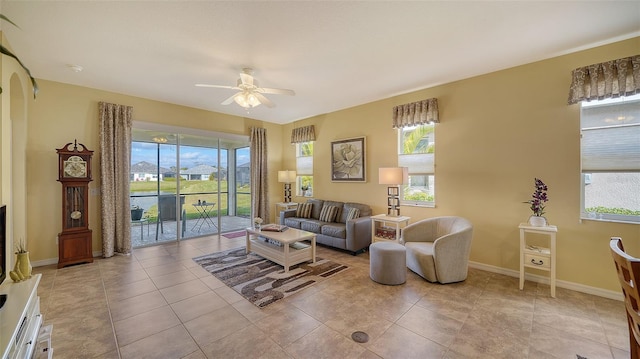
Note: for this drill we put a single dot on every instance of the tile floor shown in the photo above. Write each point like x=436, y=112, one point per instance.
x=158, y=303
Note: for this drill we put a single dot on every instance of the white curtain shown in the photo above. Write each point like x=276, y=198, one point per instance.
x=115, y=153
x=259, y=190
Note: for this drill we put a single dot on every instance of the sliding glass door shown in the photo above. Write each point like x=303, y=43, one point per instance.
x=186, y=185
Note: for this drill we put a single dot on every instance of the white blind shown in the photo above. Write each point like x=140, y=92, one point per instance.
x=304, y=165
x=611, y=149
x=419, y=163
x=611, y=136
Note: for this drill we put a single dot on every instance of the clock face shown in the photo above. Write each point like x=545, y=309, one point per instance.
x=75, y=166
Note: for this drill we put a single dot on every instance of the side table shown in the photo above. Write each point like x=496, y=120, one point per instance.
x=387, y=228
x=543, y=258
x=283, y=206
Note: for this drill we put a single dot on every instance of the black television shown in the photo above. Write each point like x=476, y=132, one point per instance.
x=3, y=243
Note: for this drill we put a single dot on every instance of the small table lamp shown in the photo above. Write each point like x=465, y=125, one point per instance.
x=287, y=177
x=394, y=176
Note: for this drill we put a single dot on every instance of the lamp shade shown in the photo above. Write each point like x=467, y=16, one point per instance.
x=286, y=176
x=393, y=175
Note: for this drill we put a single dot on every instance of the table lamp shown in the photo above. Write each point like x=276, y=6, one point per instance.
x=393, y=176
x=287, y=177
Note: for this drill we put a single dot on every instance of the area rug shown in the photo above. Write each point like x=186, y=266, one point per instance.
x=231, y=235
x=262, y=281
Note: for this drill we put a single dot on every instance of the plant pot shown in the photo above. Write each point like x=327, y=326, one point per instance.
x=136, y=214
x=537, y=221
x=24, y=264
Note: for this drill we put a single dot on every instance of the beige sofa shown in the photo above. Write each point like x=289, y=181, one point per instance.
x=353, y=235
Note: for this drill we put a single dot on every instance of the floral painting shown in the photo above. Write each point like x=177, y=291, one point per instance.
x=348, y=160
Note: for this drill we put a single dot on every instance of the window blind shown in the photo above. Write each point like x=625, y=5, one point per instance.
x=611, y=137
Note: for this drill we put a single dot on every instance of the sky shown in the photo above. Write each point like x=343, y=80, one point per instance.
x=189, y=156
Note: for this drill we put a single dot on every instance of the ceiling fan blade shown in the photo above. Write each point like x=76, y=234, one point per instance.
x=218, y=86
x=246, y=79
x=230, y=99
x=265, y=101
x=277, y=91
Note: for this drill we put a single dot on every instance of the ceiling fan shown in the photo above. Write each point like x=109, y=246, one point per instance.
x=250, y=93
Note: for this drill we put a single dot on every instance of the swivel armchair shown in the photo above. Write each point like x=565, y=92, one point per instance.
x=438, y=248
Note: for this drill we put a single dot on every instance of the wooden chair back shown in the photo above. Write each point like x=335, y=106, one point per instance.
x=628, y=269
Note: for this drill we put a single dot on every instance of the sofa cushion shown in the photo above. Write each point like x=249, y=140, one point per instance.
x=353, y=213
x=337, y=204
x=337, y=230
x=311, y=225
x=294, y=222
x=328, y=213
x=317, y=207
x=364, y=209
x=304, y=210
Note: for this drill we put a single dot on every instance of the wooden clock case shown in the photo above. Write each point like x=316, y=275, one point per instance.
x=74, y=173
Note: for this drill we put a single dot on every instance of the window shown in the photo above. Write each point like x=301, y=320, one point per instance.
x=304, y=169
x=417, y=148
x=610, y=150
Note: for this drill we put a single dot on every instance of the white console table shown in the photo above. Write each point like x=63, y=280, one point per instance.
x=20, y=318
x=543, y=258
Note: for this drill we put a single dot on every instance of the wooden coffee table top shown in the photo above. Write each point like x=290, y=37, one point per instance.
x=290, y=235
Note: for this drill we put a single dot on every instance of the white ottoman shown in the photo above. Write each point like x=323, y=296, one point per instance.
x=388, y=263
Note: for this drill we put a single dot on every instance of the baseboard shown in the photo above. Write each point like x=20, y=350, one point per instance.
x=545, y=280
x=49, y=261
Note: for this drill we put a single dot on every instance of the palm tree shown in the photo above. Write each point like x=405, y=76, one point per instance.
x=413, y=141
x=6, y=51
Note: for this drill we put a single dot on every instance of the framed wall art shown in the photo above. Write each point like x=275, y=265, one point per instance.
x=348, y=160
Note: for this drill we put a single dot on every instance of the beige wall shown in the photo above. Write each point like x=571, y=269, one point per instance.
x=497, y=132
x=63, y=113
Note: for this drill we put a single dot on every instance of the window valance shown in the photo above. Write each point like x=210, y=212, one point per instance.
x=303, y=134
x=609, y=79
x=416, y=113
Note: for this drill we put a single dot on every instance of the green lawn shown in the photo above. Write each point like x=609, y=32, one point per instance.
x=194, y=191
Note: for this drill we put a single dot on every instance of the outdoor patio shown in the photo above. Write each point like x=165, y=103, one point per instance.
x=194, y=228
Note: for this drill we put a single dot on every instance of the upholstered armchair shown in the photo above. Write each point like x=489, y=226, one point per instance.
x=438, y=248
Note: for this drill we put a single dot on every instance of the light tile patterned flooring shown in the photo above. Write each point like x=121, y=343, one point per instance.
x=158, y=303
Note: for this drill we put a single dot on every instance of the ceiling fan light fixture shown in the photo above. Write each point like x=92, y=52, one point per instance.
x=253, y=100
x=246, y=100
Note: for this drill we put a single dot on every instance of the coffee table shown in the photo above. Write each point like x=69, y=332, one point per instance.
x=292, y=251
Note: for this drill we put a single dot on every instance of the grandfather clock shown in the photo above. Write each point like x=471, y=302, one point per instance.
x=74, y=172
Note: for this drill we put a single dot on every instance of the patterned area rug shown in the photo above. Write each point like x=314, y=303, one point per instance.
x=261, y=281
x=231, y=235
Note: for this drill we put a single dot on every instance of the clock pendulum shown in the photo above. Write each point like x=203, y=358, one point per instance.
x=76, y=214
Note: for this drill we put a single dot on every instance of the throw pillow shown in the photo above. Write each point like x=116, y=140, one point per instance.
x=328, y=213
x=353, y=213
x=304, y=210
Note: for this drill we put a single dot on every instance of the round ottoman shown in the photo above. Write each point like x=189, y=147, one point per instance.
x=388, y=263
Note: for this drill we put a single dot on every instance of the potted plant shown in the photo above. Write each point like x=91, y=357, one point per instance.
x=22, y=269
x=136, y=213
x=539, y=197
x=304, y=189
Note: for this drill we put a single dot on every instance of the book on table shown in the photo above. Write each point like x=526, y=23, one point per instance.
x=274, y=228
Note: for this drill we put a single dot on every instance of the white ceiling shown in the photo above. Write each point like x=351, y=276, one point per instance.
x=334, y=54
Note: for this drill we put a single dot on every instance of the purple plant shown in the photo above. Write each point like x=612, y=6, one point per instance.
x=539, y=198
